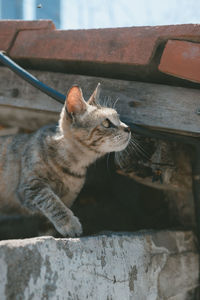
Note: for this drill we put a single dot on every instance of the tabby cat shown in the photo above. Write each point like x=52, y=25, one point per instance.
x=43, y=172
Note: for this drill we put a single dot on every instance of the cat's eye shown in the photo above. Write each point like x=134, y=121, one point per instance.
x=106, y=123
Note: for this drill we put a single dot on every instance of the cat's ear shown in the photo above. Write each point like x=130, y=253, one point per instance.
x=94, y=99
x=74, y=103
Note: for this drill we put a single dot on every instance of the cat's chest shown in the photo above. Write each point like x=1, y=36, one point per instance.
x=66, y=186
x=72, y=188
x=73, y=184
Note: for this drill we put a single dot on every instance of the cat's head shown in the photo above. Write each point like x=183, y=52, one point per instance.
x=96, y=127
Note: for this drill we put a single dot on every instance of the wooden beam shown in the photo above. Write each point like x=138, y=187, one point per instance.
x=27, y=119
x=168, y=108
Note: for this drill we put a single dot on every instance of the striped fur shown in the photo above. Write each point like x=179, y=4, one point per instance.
x=43, y=172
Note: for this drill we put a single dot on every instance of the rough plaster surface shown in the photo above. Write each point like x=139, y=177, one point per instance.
x=140, y=266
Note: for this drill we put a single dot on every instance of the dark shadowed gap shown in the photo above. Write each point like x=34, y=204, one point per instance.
x=108, y=202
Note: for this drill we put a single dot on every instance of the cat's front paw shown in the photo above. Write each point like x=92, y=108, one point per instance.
x=72, y=229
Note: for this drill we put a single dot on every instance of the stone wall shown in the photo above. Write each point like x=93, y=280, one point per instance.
x=141, y=266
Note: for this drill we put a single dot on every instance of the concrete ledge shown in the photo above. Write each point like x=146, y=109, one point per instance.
x=151, y=265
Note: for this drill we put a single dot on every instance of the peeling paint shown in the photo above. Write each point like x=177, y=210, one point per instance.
x=132, y=277
x=85, y=268
x=65, y=247
x=104, y=242
x=120, y=242
x=51, y=278
x=17, y=276
x=103, y=261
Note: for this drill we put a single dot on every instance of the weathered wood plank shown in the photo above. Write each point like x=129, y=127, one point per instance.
x=152, y=105
x=27, y=119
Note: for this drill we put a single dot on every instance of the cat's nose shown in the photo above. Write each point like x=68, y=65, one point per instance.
x=127, y=129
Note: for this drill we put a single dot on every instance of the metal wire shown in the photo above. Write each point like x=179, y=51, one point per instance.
x=31, y=79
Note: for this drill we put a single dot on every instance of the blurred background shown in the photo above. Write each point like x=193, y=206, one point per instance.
x=84, y=14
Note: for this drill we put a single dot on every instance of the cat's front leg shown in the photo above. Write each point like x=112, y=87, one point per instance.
x=46, y=201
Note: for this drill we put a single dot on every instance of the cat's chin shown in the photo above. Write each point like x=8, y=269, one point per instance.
x=123, y=146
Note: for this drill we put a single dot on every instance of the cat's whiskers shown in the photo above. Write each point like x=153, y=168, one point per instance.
x=114, y=104
x=108, y=102
x=140, y=149
x=135, y=149
x=104, y=101
x=117, y=138
x=118, y=159
x=121, y=157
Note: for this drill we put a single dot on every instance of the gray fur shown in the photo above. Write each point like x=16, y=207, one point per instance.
x=43, y=172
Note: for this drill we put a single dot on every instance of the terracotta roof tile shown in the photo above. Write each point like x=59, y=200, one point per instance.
x=134, y=45
x=9, y=30
x=181, y=59
x=125, y=53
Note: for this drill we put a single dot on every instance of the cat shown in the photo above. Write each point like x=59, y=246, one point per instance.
x=43, y=172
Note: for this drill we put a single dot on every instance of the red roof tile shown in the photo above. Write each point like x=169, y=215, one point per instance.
x=181, y=59
x=132, y=46
x=126, y=53
x=9, y=30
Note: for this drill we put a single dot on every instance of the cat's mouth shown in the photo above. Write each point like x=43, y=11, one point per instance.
x=124, y=144
x=128, y=140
